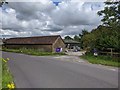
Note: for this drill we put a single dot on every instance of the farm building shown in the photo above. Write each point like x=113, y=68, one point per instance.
x=72, y=45
x=43, y=43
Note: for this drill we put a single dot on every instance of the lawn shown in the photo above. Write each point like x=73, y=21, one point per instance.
x=32, y=52
x=7, y=79
x=103, y=60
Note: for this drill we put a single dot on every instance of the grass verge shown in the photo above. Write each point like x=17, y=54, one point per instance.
x=0, y=74
x=32, y=52
x=7, y=78
x=103, y=60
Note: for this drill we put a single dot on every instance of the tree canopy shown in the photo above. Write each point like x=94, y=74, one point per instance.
x=3, y=2
x=106, y=35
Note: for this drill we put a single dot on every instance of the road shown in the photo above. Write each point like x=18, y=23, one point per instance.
x=54, y=72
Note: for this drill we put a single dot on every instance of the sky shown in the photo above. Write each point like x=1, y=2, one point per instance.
x=69, y=17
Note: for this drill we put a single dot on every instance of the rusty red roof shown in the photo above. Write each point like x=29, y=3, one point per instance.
x=33, y=40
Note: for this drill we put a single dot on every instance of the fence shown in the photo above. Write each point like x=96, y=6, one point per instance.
x=110, y=52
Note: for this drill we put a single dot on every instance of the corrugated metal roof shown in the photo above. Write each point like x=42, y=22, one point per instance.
x=33, y=40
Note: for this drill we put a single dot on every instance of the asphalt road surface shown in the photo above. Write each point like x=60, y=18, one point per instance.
x=51, y=72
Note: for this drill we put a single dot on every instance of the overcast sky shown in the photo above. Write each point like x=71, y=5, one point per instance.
x=20, y=19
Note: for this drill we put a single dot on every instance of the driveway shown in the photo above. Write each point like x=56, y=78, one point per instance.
x=59, y=72
x=79, y=53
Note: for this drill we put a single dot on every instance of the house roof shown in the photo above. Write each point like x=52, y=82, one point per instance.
x=71, y=42
x=33, y=40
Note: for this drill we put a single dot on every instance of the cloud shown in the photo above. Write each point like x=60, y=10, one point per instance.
x=9, y=20
x=75, y=30
x=31, y=10
x=44, y=18
x=11, y=33
x=74, y=13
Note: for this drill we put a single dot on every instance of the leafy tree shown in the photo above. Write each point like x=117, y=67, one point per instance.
x=102, y=37
x=111, y=19
x=3, y=2
x=106, y=35
x=77, y=38
x=83, y=33
x=111, y=14
x=68, y=38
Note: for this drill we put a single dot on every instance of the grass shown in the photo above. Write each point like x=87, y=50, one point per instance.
x=6, y=75
x=32, y=52
x=0, y=74
x=103, y=60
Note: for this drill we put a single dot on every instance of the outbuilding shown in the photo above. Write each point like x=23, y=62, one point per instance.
x=72, y=45
x=43, y=43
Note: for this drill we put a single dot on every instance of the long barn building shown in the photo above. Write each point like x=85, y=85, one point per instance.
x=44, y=43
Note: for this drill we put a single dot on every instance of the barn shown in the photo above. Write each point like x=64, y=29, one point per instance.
x=72, y=45
x=43, y=43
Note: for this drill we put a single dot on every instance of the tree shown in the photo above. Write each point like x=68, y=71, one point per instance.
x=83, y=33
x=111, y=14
x=77, y=38
x=68, y=38
x=102, y=37
x=108, y=34
x=111, y=20
x=3, y=2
